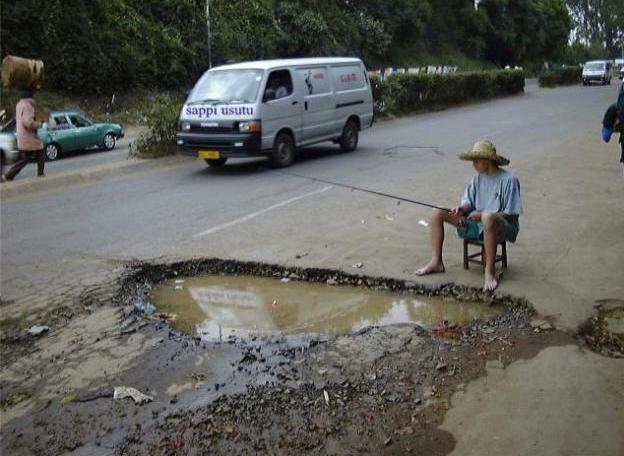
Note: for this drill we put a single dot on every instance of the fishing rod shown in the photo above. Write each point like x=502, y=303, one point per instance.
x=360, y=189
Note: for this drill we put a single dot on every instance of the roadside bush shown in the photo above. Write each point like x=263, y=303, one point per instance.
x=162, y=125
x=404, y=93
x=561, y=76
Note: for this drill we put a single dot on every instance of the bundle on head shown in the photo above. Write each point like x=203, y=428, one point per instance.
x=22, y=74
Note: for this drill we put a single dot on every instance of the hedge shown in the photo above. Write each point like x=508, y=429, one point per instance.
x=162, y=126
x=561, y=76
x=406, y=93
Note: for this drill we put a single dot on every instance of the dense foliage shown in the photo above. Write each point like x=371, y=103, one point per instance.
x=107, y=46
x=561, y=76
x=162, y=126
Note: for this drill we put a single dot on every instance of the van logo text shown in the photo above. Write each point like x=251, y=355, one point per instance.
x=211, y=111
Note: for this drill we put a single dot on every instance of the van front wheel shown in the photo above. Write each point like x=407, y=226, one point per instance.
x=283, y=151
x=350, y=136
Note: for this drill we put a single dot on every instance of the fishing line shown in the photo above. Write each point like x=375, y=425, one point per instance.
x=366, y=190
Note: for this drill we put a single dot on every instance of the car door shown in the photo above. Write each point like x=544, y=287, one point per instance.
x=86, y=132
x=281, y=106
x=318, y=104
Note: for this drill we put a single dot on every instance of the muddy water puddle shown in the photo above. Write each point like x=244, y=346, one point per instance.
x=217, y=307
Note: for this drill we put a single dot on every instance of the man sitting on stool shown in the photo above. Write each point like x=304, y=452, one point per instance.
x=489, y=211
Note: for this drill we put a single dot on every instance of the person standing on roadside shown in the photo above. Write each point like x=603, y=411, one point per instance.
x=28, y=142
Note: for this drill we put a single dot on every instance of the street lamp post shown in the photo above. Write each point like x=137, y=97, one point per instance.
x=209, y=37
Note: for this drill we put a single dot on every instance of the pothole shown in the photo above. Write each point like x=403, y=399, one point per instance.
x=604, y=332
x=214, y=307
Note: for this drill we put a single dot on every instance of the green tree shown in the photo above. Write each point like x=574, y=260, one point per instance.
x=524, y=31
x=599, y=22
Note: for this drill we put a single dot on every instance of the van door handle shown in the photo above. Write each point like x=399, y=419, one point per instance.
x=305, y=105
x=295, y=102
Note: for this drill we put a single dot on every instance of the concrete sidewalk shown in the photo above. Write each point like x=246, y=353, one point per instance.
x=567, y=400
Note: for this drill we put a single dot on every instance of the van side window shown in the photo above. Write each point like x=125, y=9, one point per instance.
x=279, y=85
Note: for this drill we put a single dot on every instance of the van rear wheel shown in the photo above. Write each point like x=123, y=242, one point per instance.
x=283, y=151
x=216, y=162
x=350, y=136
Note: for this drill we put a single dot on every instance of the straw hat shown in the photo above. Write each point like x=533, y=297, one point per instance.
x=484, y=150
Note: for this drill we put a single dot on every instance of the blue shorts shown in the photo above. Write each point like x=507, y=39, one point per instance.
x=473, y=231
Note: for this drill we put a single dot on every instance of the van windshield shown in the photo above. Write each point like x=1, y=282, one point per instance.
x=227, y=86
x=596, y=66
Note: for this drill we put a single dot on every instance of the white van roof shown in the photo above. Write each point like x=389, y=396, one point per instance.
x=597, y=61
x=270, y=64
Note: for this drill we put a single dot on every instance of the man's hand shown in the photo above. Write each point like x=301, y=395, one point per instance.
x=457, y=210
x=476, y=216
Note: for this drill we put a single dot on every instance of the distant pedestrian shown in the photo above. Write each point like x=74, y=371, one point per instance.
x=28, y=142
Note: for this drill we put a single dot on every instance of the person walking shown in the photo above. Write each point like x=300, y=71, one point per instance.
x=28, y=142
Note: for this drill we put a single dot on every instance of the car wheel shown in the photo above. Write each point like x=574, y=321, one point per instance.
x=216, y=162
x=52, y=151
x=350, y=136
x=283, y=151
x=109, y=141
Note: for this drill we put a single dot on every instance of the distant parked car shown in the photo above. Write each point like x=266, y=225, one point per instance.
x=68, y=131
x=8, y=141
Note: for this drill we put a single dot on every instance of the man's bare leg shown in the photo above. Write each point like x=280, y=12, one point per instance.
x=438, y=219
x=492, y=224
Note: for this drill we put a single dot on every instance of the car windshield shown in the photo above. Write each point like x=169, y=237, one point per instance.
x=597, y=66
x=227, y=86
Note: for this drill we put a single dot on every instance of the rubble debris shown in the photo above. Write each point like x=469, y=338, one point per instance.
x=144, y=307
x=122, y=392
x=38, y=330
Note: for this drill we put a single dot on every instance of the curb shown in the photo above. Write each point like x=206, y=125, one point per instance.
x=34, y=185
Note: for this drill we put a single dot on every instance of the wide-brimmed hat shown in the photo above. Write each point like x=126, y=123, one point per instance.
x=484, y=150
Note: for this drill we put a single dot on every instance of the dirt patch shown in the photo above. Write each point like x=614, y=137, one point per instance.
x=604, y=332
x=381, y=390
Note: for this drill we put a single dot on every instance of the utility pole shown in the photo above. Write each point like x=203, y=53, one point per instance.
x=209, y=37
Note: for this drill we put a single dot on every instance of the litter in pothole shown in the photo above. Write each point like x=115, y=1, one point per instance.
x=216, y=307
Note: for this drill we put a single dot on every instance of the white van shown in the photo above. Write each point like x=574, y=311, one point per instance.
x=597, y=70
x=270, y=108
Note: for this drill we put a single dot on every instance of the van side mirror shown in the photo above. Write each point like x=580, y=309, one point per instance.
x=185, y=95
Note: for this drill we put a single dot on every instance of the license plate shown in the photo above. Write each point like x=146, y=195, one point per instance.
x=208, y=154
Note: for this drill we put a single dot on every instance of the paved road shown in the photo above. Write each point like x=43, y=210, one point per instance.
x=569, y=253
x=168, y=212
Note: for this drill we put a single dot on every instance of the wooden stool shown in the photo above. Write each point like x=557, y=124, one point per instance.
x=479, y=257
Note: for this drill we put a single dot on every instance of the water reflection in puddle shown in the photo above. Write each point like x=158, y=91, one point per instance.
x=216, y=307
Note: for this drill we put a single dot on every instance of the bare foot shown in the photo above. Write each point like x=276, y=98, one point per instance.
x=491, y=282
x=431, y=268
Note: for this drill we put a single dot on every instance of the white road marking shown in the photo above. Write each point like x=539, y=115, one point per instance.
x=247, y=217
